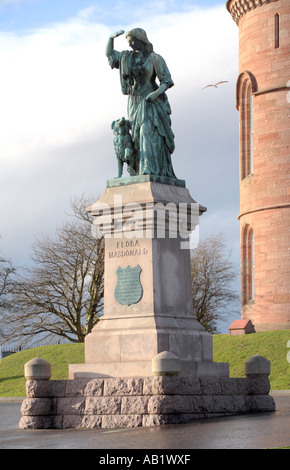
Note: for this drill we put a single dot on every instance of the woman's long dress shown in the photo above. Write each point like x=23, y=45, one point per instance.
x=151, y=124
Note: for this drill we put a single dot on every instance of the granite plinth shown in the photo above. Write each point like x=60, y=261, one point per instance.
x=134, y=402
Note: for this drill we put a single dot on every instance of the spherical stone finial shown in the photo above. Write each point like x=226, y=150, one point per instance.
x=166, y=363
x=257, y=366
x=37, y=369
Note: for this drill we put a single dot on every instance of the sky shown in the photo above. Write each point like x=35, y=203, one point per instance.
x=58, y=97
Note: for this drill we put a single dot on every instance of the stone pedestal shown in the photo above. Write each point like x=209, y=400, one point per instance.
x=147, y=301
x=148, y=362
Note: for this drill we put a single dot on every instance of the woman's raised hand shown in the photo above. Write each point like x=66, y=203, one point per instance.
x=118, y=33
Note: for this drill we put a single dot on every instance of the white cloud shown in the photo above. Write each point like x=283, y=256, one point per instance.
x=52, y=88
x=56, y=83
x=59, y=96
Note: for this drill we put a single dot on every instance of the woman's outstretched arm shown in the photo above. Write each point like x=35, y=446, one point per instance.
x=110, y=44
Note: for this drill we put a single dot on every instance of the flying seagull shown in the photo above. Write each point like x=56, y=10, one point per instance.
x=216, y=85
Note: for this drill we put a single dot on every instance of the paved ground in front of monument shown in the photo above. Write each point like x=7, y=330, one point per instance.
x=256, y=431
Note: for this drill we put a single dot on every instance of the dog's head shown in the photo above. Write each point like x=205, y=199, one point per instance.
x=121, y=126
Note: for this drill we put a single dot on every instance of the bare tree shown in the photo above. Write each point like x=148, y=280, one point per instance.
x=61, y=295
x=6, y=271
x=212, y=276
x=6, y=285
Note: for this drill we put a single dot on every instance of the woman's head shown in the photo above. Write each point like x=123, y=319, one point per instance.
x=137, y=37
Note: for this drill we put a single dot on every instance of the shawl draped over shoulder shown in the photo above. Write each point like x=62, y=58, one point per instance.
x=123, y=61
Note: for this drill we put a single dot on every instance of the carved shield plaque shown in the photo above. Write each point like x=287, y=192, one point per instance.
x=128, y=289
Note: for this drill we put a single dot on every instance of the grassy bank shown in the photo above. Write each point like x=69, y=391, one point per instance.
x=271, y=344
x=232, y=349
x=12, y=381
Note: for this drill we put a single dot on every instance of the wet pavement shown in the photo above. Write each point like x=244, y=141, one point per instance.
x=254, y=431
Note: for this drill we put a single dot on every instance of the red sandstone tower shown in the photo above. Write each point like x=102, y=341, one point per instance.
x=263, y=101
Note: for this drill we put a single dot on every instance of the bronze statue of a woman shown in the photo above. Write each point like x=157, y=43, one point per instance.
x=148, y=107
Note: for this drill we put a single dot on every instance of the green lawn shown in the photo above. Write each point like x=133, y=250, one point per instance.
x=12, y=381
x=233, y=349
x=271, y=344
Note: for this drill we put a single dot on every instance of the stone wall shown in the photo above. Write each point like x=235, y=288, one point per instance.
x=263, y=103
x=146, y=401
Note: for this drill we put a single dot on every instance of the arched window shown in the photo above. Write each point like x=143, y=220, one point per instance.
x=248, y=265
x=246, y=129
x=246, y=86
x=277, y=31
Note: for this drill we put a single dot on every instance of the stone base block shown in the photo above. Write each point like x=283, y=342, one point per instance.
x=139, y=401
x=144, y=368
x=125, y=347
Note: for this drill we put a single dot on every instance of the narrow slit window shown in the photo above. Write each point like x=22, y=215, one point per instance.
x=251, y=134
x=246, y=130
x=248, y=265
x=252, y=267
x=277, y=31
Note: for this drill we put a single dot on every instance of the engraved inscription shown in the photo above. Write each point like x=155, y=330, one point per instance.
x=128, y=248
x=128, y=289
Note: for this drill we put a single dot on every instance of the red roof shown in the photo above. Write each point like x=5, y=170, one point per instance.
x=239, y=324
